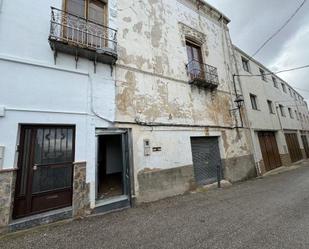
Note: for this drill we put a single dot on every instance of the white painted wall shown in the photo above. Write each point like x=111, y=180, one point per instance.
x=262, y=119
x=36, y=91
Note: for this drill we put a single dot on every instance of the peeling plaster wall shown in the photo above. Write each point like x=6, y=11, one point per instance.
x=176, y=152
x=152, y=84
x=155, y=48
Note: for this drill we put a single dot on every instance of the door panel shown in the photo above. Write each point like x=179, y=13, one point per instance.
x=44, y=177
x=269, y=149
x=126, y=165
x=206, y=159
x=195, y=60
x=305, y=143
x=293, y=146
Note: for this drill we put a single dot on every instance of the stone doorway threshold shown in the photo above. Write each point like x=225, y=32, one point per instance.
x=40, y=219
x=112, y=204
x=303, y=162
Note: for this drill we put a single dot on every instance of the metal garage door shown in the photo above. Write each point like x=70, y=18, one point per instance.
x=294, y=148
x=269, y=148
x=206, y=159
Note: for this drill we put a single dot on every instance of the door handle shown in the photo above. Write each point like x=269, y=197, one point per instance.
x=35, y=167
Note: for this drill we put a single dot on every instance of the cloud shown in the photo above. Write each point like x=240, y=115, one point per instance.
x=252, y=22
x=294, y=54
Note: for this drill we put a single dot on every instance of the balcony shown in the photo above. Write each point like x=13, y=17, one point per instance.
x=202, y=75
x=82, y=38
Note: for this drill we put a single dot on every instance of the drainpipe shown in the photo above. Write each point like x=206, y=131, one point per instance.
x=257, y=165
x=227, y=66
x=279, y=119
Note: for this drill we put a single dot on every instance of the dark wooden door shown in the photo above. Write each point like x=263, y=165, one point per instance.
x=270, y=152
x=45, y=169
x=305, y=143
x=293, y=146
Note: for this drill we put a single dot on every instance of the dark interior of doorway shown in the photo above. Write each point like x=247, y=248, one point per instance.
x=110, y=166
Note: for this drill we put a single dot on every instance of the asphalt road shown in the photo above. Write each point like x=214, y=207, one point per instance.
x=272, y=212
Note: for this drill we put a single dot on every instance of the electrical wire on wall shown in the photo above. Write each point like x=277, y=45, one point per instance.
x=93, y=111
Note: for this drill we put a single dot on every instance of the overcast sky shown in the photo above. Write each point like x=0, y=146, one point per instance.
x=253, y=21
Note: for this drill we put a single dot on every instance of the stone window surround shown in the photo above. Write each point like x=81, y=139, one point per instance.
x=191, y=34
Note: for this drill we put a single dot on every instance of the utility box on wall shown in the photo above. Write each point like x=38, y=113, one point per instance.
x=1, y=156
x=147, y=147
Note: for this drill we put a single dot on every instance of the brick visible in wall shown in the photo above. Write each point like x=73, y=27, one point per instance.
x=285, y=159
x=304, y=153
x=81, y=189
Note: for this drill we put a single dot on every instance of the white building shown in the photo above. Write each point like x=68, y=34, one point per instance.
x=57, y=92
x=277, y=115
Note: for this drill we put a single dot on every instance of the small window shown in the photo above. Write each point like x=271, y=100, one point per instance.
x=245, y=64
x=290, y=113
x=275, y=82
x=262, y=72
x=290, y=92
x=300, y=117
x=296, y=115
x=283, y=87
x=253, y=99
x=270, y=106
x=282, y=112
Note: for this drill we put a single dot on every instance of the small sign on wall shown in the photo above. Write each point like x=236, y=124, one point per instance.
x=156, y=149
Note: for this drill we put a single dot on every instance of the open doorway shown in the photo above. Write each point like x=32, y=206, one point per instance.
x=110, y=166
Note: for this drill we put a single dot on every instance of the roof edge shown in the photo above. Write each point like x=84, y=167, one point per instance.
x=216, y=10
x=267, y=69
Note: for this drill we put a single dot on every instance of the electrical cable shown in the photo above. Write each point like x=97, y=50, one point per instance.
x=280, y=29
x=275, y=73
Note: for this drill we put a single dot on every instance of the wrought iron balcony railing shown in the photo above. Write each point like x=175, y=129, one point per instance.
x=79, y=36
x=202, y=75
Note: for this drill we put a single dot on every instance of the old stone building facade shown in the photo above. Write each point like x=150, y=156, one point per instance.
x=109, y=103
x=155, y=95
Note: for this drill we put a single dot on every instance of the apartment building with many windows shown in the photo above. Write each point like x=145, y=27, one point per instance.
x=276, y=114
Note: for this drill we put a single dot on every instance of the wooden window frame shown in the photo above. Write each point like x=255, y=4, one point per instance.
x=282, y=112
x=245, y=64
x=271, y=107
x=196, y=45
x=262, y=72
x=275, y=82
x=291, y=112
x=86, y=11
x=254, y=103
x=283, y=87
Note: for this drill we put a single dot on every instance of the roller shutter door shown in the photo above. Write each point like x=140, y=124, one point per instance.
x=206, y=159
